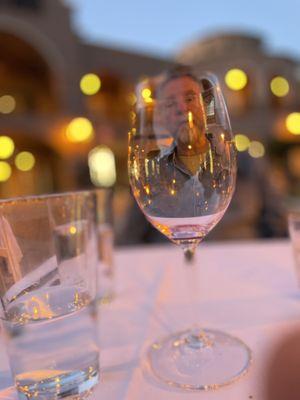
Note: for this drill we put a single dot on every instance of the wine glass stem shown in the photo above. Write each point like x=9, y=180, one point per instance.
x=189, y=255
x=191, y=276
x=196, y=337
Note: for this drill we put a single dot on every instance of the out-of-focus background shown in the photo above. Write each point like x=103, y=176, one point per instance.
x=67, y=76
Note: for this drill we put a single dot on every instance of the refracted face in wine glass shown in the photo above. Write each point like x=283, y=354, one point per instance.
x=182, y=113
x=181, y=156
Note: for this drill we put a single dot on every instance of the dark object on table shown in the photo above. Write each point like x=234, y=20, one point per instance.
x=282, y=374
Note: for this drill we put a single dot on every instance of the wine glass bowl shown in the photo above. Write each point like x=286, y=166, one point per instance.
x=182, y=160
x=182, y=170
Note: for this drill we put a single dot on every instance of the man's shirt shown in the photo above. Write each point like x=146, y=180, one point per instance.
x=174, y=191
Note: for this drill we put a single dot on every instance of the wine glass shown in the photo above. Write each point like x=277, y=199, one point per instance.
x=182, y=171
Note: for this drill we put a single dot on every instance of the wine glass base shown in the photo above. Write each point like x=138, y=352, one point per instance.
x=199, y=359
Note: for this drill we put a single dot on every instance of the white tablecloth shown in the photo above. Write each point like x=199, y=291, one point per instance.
x=248, y=289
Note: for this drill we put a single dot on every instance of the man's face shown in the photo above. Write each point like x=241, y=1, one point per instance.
x=181, y=105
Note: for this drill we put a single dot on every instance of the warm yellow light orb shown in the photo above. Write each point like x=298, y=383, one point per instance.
x=292, y=123
x=7, y=147
x=25, y=161
x=73, y=230
x=236, y=79
x=241, y=142
x=7, y=104
x=279, y=86
x=5, y=171
x=90, y=84
x=146, y=93
x=256, y=149
x=102, y=166
x=80, y=130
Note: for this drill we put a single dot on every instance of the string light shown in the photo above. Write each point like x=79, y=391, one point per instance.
x=7, y=104
x=256, y=149
x=236, y=79
x=79, y=130
x=5, y=171
x=146, y=94
x=7, y=147
x=90, y=84
x=292, y=123
x=102, y=166
x=279, y=86
x=25, y=161
x=242, y=142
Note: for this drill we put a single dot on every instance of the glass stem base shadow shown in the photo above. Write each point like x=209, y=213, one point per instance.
x=202, y=359
x=196, y=358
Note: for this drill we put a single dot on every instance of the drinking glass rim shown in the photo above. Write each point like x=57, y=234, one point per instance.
x=43, y=197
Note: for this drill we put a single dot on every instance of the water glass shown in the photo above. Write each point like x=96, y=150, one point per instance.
x=105, y=241
x=48, y=266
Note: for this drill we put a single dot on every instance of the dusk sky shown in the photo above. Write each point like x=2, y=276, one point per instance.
x=163, y=27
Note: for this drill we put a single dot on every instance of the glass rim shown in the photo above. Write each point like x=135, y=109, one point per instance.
x=43, y=197
x=214, y=88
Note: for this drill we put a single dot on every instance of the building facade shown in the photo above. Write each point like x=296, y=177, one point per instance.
x=261, y=110
x=43, y=61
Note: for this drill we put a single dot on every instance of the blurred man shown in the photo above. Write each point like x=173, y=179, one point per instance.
x=182, y=115
x=188, y=177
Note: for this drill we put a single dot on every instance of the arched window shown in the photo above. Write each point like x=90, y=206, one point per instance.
x=25, y=76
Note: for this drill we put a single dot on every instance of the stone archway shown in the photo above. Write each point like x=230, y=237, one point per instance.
x=31, y=49
x=26, y=76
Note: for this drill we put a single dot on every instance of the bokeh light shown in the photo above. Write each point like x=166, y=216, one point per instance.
x=102, y=166
x=242, y=142
x=73, y=230
x=79, y=130
x=5, y=171
x=146, y=94
x=90, y=84
x=7, y=147
x=292, y=123
x=256, y=149
x=279, y=86
x=24, y=161
x=236, y=79
x=7, y=104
